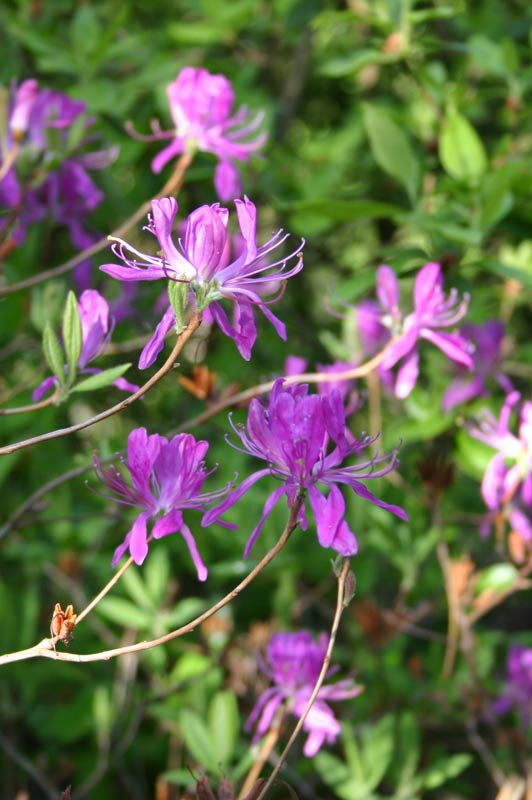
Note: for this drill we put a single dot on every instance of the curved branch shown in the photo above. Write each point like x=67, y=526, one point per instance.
x=340, y=605
x=45, y=648
x=49, y=401
x=183, y=337
x=172, y=186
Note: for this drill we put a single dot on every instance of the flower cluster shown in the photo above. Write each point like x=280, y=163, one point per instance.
x=96, y=330
x=202, y=260
x=507, y=482
x=518, y=691
x=201, y=105
x=166, y=477
x=304, y=440
x=294, y=662
x=384, y=324
x=43, y=173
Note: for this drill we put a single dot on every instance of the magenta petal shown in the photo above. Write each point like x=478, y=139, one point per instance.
x=152, y=349
x=461, y=391
x=427, y=282
x=387, y=288
x=201, y=569
x=172, y=150
x=453, y=345
x=227, y=181
x=407, y=375
x=492, y=486
x=129, y=274
x=331, y=527
x=43, y=388
x=170, y=523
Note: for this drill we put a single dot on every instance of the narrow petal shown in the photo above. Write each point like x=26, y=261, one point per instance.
x=407, y=375
x=152, y=349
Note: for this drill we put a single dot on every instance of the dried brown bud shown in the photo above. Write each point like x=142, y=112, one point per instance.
x=63, y=623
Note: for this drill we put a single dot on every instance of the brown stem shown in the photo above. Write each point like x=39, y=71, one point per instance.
x=264, y=388
x=172, y=185
x=108, y=586
x=340, y=605
x=45, y=648
x=268, y=743
x=183, y=337
x=49, y=401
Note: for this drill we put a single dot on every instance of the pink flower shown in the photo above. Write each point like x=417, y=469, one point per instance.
x=166, y=478
x=304, y=441
x=294, y=662
x=201, y=105
x=203, y=259
x=385, y=322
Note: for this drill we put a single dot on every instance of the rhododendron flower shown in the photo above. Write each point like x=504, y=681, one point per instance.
x=166, y=478
x=304, y=440
x=385, y=324
x=96, y=330
x=294, y=662
x=518, y=691
x=201, y=105
x=487, y=340
x=507, y=482
x=202, y=259
x=46, y=175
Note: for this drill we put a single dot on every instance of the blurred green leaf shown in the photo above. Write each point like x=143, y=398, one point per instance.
x=72, y=336
x=391, y=148
x=224, y=724
x=101, y=379
x=53, y=353
x=461, y=150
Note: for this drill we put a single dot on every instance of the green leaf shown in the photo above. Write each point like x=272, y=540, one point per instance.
x=497, y=578
x=53, y=353
x=223, y=723
x=126, y=613
x=72, y=336
x=101, y=379
x=198, y=740
x=178, y=296
x=391, y=149
x=461, y=150
x=446, y=768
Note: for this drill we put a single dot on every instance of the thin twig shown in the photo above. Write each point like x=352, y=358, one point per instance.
x=49, y=401
x=268, y=743
x=172, y=186
x=108, y=586
x=183, y=337
x=305, y=377
x=340, y=605
x=45, y=648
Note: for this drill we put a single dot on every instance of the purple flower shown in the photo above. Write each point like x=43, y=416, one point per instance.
x=294, y=662
x=293, y=435
x=487, y=340
x=203, y=260
x=96, y=330
x=43, y=177
x=507, y=483
x=201, y=106
x=518, y=691
x=166, y=477
x=384, y=322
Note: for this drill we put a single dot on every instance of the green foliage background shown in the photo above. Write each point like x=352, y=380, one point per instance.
x=400, y=133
